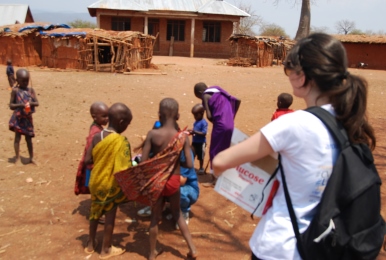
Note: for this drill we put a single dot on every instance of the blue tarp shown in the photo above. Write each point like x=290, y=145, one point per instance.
x=45, y=28
x=63, y=34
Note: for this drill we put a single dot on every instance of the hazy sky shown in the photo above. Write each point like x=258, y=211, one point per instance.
x=367, y=14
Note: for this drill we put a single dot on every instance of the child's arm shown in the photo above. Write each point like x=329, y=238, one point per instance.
x=88, y=160
x=205, y=101
x=188, y=155
x=183, y=180
x=12, y=104
x=203, y=130
x=34, y=101
x=146, y=147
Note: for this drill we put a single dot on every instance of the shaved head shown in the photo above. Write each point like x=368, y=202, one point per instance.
x=98, y=107
x=168, y=108
x=198, y=108
x=119, y=117
x=199, y=88
x=22, y=74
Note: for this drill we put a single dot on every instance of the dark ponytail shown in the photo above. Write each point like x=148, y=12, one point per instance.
x=323, y=60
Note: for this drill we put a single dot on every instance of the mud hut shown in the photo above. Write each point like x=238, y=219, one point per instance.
x=59, y=46
x=96, y=49
x=22, y=47
x=366, y=49
x=257, y=50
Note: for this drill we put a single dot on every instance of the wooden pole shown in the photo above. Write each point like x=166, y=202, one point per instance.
x=146, y=29
x=113, y=57
x=192, y=38
x=171, y=46
x=95, y=54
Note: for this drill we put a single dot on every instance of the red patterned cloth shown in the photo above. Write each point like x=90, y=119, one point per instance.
x=80, y=179
x=144, y=183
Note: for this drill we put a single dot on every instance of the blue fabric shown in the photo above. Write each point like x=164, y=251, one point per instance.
x=200, y=126
x=190, y=191
x=64, y=34
x=10, y=70
x=44, y=28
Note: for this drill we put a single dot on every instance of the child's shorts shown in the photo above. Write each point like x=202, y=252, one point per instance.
x=199, y=150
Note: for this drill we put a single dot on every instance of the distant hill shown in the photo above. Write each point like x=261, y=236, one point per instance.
x=57, y=17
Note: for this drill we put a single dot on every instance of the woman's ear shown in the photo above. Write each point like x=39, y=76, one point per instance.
x=177, y=117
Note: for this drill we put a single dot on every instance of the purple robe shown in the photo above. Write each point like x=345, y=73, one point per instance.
x=223, y=109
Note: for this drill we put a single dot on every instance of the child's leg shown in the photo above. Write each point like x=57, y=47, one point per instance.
x=107, y=248
x=201, y=163
x=16, y=145
x=156, y=215
x=28, y=139
x=91, y=243
x=176, y=212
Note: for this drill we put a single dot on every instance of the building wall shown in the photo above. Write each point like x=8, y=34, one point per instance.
x=220, y=49
x=372, y=54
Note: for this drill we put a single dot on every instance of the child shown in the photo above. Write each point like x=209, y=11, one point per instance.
x=200, y=127
x=158, y=178
x=10, y=74
x=110, y=153
x=99, y=113
x=284, y=101
x=23, y=102
x=189, y=187
x=221, y=109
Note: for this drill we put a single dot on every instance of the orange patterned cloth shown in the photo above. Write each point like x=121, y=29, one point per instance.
x=144, y=183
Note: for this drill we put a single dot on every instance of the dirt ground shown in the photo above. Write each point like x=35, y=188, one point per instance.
x=43, y=219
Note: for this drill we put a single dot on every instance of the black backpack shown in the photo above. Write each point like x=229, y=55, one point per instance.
x=347, y=223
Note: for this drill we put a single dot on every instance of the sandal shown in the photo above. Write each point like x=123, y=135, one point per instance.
x=114, y=251
x=91, y=252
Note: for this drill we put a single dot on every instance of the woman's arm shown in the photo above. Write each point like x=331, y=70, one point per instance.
x=253, y=148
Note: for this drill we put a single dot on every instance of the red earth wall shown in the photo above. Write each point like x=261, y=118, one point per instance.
x=372, y=54
x=22, y=50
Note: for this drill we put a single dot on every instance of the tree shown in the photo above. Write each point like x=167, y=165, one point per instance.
x=321, y=29
x=272, y=30
x=357, y=32
x=246, y=24
x=305, y=18
x=344, y=26
x=78, y=23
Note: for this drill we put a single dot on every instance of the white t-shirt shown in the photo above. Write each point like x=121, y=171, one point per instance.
x=308, y=153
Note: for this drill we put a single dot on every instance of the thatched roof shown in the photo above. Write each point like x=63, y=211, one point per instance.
x=271, y=40
x=376, y=39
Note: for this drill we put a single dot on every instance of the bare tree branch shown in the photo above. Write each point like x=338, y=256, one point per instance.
x=344, y=26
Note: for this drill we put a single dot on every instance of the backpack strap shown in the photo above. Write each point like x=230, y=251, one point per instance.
x=291, y=212
x=262, y=193
x=334, y=126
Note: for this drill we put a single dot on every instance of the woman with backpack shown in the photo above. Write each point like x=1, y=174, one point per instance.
x=317, y=71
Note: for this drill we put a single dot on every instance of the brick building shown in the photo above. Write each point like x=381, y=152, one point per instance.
x=195, y=28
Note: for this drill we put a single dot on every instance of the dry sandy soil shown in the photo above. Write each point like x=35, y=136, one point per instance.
x=43, y=219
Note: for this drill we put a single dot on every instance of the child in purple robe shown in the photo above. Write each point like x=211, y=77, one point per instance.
x=221, y=109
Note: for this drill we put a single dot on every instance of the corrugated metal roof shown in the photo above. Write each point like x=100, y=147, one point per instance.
x=195, y=6
x=221, y=7
x=11, y=13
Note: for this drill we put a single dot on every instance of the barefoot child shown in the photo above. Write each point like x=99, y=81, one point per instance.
x=99, y=113
x=200, y=127
x=109, y=152
x=23, y=102
x=284, y=101
x=10, y=74
x=158, y=178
